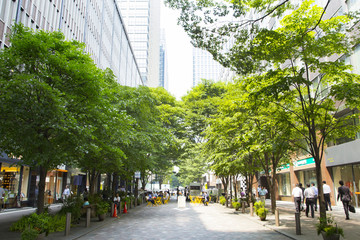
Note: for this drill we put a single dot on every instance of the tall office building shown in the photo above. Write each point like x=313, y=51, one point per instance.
x=142, y=20
x=163, y=73
x=205, y=67
x=96, y=23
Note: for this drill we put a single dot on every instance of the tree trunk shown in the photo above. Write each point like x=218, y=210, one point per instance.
x=114, y=183
x=92, y=176
x=235, y=185
x=41, y=194
x=272, y=189
x=322, y=206
x=225, y=181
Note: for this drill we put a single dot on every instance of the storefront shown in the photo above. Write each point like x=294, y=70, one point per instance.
x=301, y=171
x=15, y=181
x=54, y=185
x=344, y=162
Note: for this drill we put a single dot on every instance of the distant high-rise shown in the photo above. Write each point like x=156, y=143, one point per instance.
x=96, y=23
x=142, y=20
x=205, y=67
x=163, y=73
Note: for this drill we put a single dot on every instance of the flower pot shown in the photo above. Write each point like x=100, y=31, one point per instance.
x=263, y=218
x=101, y=217
x=331, y=237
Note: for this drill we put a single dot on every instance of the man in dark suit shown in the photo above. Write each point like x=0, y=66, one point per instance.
x=344, y=194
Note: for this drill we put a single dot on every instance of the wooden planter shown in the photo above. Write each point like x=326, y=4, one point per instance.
x=331, y=237
x=101, y=217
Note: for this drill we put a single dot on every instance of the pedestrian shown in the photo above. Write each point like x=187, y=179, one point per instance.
x=262, y=194
x=344, y=194
x=316, y=191
x=2, y=195
x=327, y=191
x=206, y=198
x=309, y=194
x=298, y=195
x=66, y=192
x=303, y=199
x=117, y=201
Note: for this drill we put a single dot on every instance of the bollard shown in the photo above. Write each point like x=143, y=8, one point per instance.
x=88, y=216
x=251, y=209
x=243, y=206
x=67, y=224
x=297, y=223
x=277, y=220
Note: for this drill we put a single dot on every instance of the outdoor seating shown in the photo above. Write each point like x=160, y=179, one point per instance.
x=192, y=199
x=166, y=200
x=158, y=201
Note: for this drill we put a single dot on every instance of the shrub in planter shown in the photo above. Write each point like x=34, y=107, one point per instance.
x=29, y=234
x=329, y=229
x=222, y=200
x=33, y=225
x=260, y=210
x=236, y=205
x=73, y=204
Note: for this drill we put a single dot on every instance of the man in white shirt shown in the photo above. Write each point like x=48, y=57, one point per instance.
x=66, y=192
x=309, y=196
x=316, y=195
x=298, y=195
x=327, y=191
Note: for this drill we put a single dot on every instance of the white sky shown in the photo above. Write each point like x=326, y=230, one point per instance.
x=179, y=52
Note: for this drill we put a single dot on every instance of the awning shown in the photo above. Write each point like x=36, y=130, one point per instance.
x=4, y=158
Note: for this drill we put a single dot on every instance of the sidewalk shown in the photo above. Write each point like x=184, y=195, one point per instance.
x=286, y=228
x=308, y=225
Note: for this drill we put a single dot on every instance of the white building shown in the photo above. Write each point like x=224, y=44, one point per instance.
x=205, y=67
x=142, y=21
x=96, y=23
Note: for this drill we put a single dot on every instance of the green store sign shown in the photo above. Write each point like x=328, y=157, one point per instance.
x=298, y=163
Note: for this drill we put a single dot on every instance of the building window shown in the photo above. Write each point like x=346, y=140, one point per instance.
x=284, y=184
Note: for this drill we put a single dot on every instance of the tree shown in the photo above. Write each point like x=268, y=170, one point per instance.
x=200, y=105
x=288, y=55
x=295, y=51
x=47, y=87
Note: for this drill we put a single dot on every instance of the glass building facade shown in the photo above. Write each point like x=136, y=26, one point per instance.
x=96, y=23
x=142, y=23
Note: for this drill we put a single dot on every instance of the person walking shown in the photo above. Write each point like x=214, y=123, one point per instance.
x=117, y=201
x=262, y=194
x=309, y=195
x=303, y=198
x=66, y=192
x=327, y=191
x=344, y=194
x=316, y=192
x=298, y=195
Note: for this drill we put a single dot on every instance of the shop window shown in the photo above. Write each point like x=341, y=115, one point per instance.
x=284, y=184
x=10, y=176
x=342, y=173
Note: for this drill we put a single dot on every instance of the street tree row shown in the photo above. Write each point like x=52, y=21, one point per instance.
x=58, y=107
x=293, y=81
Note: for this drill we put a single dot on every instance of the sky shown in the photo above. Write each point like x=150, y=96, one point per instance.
x=179, y=52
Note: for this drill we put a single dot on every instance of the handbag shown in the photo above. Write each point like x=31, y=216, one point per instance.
x=351, y=208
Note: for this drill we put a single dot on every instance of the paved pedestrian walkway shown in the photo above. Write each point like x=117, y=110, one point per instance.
x=195, y=222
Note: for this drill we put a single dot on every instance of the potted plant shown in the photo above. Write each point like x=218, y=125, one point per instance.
x=101, y=209
x=260, y=210
x=222, y=200
x=236, y=204
x=329, y=229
